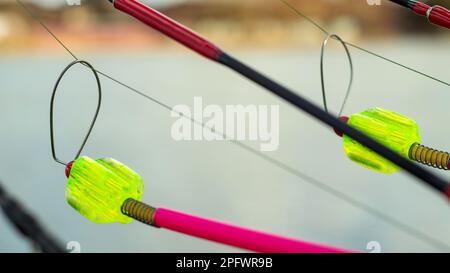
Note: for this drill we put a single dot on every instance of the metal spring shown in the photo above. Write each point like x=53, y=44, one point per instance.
x=428, y=156
x=139, y=211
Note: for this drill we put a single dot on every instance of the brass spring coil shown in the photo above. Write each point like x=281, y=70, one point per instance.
x=428, y=156
x=139, y=211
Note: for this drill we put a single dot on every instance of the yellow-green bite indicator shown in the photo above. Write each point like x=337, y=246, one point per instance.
x=97, y=189
x=397, y=132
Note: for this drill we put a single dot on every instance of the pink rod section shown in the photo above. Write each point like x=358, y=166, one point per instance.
x=235, y=236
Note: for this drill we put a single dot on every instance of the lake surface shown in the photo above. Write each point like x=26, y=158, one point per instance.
x=217, y=179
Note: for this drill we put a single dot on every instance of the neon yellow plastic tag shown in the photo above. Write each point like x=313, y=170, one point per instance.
x=98, y=188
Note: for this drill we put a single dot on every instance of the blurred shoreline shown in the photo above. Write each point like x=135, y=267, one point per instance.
x=232, y=24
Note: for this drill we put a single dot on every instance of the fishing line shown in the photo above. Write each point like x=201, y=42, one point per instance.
x=322, y=76
x=423, y=237
x=52, y=104
x=321, y=28
x=306, y=178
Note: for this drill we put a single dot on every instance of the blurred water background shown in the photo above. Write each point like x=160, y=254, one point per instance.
x=216, y=179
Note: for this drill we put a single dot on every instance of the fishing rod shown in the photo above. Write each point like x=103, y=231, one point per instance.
x=192, y=40
x=107, y=191
x=27, y=225
x=437, y=15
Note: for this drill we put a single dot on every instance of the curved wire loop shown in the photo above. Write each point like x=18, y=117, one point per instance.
x=322, y=77
x=52, y=103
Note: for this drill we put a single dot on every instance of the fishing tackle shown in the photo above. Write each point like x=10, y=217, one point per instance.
x=341, y=195
x=52, y=105
x=192, y=40
x=435, y=14
x=398, y=132
x=395, y=131
x=107, y=191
